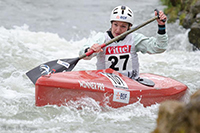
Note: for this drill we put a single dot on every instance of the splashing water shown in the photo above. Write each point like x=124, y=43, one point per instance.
x=22, y=49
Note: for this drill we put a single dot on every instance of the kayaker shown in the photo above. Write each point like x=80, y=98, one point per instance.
x=122, y=55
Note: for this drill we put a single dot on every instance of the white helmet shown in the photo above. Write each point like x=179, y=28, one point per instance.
x=122, y=13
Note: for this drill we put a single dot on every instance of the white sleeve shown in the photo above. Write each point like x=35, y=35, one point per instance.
x=151, y=45
x=98, y=38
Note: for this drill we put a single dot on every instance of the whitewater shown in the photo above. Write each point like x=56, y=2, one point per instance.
x=34, y=32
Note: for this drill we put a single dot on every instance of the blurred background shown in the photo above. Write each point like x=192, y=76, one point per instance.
x=34, y=32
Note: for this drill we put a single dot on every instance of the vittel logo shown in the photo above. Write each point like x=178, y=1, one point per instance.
x=118, y=49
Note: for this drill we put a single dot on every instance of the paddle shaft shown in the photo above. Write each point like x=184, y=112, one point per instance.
x=68, y=64
x=120, y=36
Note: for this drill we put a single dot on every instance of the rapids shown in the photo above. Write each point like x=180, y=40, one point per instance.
x=33, y=32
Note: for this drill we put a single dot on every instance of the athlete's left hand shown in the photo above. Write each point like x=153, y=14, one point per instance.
x=162, y=17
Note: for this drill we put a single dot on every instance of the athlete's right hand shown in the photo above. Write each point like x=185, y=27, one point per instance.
x=96, y=48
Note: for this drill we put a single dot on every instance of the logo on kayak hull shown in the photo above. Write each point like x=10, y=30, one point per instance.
x=92, y=85
x=121, y=96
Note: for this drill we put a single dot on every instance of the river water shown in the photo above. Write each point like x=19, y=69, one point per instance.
x=33, y=32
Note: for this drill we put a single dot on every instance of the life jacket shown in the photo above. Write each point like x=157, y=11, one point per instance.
x=120, y=56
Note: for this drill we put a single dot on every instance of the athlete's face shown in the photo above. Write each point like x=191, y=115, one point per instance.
x=118, y=28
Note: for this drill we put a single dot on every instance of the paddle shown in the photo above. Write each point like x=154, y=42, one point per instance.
x=61, y=65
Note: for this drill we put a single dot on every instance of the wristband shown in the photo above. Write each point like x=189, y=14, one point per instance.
x=161, y=29
x=86, y=50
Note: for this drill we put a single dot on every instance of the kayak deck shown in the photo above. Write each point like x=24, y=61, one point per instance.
x=107, y=87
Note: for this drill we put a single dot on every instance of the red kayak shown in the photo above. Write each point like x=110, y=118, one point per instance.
x=107, y=87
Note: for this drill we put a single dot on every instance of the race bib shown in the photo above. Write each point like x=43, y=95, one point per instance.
x=118, y=58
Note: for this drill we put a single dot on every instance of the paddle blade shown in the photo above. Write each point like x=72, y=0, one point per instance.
x=54, y=66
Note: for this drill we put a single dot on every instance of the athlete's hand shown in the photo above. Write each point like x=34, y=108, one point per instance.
x=96, y=48
x=162, y=18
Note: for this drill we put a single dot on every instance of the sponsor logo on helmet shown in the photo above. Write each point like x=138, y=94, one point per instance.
x=121, y=17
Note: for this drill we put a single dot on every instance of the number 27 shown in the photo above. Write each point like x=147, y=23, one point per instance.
x=114, y=60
